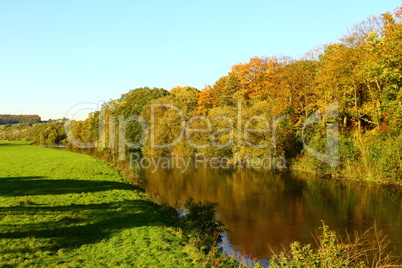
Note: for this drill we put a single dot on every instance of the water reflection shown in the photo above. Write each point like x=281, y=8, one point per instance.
x=266, y=210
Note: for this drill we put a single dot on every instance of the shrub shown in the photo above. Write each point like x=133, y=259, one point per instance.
x=200, y=225
x=357, y=252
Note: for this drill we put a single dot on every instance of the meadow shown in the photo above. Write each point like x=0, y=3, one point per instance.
x=62, y=209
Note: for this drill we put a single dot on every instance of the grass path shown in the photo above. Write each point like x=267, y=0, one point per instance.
x=61, y=209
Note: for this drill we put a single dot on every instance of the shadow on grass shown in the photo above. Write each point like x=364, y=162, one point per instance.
x=20, y=186
x=80, y=224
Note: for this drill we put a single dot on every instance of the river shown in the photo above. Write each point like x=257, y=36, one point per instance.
x=266, y=210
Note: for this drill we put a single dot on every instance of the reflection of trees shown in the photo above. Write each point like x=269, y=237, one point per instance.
x=265, y=208
x=353, y=205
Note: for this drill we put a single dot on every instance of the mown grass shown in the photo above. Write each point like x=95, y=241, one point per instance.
x=61, y=209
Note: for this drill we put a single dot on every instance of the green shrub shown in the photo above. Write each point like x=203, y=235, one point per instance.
x=331, y=252
x=200, y=225
x=384, y=156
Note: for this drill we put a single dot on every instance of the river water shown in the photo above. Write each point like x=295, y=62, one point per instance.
x=266, y=210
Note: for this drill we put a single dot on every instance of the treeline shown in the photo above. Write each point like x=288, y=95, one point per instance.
x=40, y=133
x=15, y=119
x=336, y=111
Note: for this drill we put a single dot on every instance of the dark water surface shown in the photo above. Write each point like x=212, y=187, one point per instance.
x=265, y=209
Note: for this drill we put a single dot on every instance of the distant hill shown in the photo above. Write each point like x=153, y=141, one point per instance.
x=15, y=119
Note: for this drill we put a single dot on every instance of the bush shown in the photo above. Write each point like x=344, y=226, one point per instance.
x=200, y=226
x=360, y=251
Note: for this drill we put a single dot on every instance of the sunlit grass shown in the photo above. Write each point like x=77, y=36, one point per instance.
x=64, y=209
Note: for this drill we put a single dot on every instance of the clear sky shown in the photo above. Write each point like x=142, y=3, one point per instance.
x=56, y=54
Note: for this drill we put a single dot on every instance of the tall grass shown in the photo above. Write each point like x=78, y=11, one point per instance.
x=357, y=251
x=374, y=156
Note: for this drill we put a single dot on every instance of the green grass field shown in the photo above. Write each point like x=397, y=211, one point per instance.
x=2, y=126
x=61, y=209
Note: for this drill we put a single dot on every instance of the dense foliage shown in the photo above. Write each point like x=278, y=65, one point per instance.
x=200, y=225
x=15, y=119
x=41, y=133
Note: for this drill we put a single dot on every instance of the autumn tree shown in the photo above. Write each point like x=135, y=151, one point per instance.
x=167, y=118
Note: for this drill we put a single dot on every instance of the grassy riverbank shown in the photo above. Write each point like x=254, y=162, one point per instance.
x=71, y=210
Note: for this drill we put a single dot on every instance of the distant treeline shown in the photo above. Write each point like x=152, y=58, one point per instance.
x=16, y=119
x=346, y=96
x=39, y=133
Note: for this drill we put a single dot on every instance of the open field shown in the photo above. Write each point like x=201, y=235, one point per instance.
x=64, y=209
x=2, y=126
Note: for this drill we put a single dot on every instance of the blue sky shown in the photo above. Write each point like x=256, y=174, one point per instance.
x=57, y=54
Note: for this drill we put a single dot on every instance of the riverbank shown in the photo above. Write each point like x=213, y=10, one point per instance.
x=72, y=210
x=397, y=185
x=299, y=166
